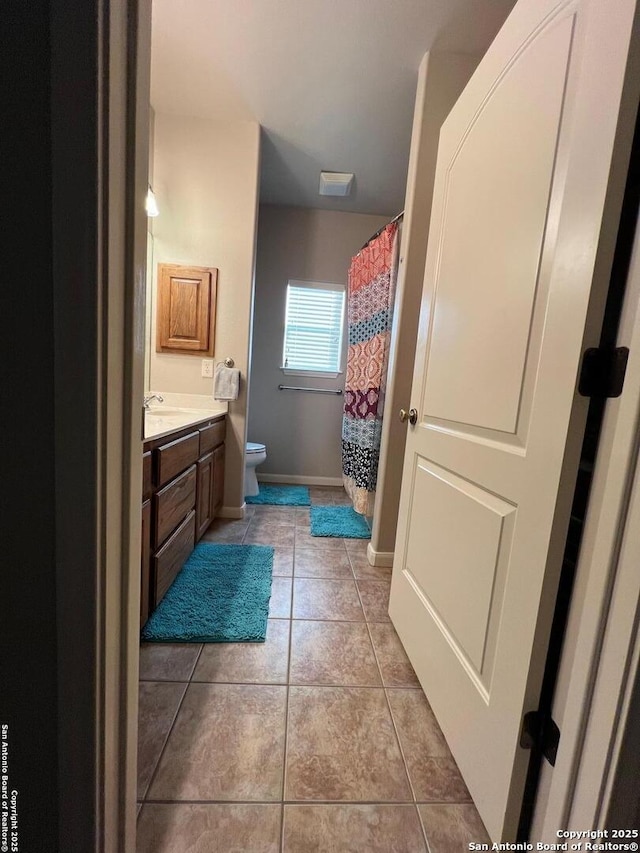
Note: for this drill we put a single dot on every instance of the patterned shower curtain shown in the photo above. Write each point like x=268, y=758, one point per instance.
x=371, y=294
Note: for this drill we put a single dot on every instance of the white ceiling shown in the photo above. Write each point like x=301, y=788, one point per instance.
x=332, y=82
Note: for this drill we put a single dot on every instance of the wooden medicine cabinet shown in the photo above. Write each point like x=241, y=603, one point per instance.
x=186, y=309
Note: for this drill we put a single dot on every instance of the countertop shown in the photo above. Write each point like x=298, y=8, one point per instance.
x=163, y=420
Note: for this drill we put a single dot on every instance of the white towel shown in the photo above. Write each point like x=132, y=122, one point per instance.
x=226, y=383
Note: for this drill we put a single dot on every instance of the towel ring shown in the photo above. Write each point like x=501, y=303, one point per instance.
x=228, y=362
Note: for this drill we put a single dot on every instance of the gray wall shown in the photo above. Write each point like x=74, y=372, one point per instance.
x=441, y=78
x=301, y=431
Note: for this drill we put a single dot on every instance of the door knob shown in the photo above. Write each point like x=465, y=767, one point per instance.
x=411, y=416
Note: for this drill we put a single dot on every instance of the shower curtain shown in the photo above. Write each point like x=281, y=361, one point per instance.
x=371, y=294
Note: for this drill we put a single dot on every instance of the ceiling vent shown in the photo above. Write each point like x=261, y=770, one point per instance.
x=335, y=183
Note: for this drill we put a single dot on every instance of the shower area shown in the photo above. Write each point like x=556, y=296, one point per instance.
x=371, y=295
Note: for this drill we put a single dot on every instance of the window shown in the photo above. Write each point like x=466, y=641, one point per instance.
x=313, y=327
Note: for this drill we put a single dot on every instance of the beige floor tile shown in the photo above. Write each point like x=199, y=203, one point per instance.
x=282, y=562
x=322, y=495
x=158, y=706
x=342, y=499
x=363, y=571
x=302, y=517
x=433, y=772
x=168, y=661
x=357, y=547
x=262, y=663
x=352, y=829
x=451, y=828
x=312, y=563
x=375, y=600
x=274, y=515
x=265, y=533
x=394, y=664
x=315, y=598
x=323, y=543
x=332, y=653
x=227, y=530
x=195, y=828
x=227, y=744
x=280, y=601
x=438, y=780
x=416, y=723
x=341, y=745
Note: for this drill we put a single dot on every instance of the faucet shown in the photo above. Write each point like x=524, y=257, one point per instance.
x=151, y=397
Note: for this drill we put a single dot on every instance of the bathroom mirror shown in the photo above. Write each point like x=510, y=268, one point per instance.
x=148, y=314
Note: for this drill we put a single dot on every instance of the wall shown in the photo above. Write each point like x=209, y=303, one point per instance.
x=302, y=432
x=28, y=630
x=206, y=184
x=441, y=78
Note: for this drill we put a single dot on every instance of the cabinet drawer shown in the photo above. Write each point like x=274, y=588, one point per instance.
x=147, y=476
x=212, y=436
x=174, y=457
x=172, y=503
x=172, y=556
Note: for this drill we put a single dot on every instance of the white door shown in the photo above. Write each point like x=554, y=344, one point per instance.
x=515, y=273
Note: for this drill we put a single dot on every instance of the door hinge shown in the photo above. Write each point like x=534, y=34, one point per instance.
x=602, y=372
x=539, y=731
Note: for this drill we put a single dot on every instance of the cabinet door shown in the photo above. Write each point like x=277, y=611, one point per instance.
x=145, y=562
x=204, y=494
x=186, y=309
x=218, y=481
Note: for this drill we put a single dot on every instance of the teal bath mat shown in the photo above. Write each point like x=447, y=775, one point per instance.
x=342, y=521
x=281, y=495
x=221, y=595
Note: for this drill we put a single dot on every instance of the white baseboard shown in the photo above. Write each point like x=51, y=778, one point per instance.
x=300, y=479
x=232, y=511
x=379, y=558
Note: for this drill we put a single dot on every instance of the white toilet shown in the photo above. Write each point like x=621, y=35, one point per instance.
x=254, y=455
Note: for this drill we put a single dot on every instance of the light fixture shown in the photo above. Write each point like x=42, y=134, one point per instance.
x=335, y=183
x=151, y=204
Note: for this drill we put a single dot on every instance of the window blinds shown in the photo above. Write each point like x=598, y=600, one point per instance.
x=313, y=327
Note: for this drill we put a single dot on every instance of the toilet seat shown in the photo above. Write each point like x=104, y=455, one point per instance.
x=254, y=447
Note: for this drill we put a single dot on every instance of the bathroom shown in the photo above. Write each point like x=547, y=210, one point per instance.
x=274, y=740
x=224, y=203
x=500, y=575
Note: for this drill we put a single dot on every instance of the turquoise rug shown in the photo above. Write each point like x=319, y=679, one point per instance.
x=221, y=595
x=281, y=495
x=342, y=521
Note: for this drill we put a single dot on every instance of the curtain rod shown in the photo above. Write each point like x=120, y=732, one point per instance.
x=380, y=230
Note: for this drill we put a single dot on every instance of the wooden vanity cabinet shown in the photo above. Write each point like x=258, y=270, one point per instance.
x=210, y=476
x=204, y=507
x=217, y=489
x=183, y=485
x=145, y=562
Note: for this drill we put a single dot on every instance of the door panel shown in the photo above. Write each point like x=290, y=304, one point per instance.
x=497, y=210
x=522, y=232
x=465, y=601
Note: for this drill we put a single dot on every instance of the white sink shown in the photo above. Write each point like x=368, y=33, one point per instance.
x=161, y=420
x=158, y=411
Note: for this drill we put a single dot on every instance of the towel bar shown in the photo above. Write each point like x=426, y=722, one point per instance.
x=314, y=390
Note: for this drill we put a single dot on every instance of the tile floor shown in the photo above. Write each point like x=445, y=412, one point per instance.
x=320, y=739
